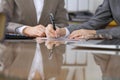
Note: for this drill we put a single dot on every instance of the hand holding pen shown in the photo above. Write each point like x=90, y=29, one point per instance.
x=51, y=28
x=52, y=19
x=50, y=33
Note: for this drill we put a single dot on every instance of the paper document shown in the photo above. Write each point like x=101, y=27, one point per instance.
x=61, y=39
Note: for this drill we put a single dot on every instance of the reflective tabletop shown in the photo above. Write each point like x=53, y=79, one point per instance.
x=58, y=59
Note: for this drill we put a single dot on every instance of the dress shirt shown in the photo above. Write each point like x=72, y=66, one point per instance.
x=37, y=64
x=39, y=7
x=67, y=32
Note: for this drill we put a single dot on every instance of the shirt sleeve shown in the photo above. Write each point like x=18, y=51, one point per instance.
x=20, y=30
x=67, y=32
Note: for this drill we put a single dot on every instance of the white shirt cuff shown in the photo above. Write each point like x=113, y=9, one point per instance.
x=67, y=32
x=20, y=30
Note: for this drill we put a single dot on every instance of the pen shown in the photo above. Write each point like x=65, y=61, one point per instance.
x=52, y=19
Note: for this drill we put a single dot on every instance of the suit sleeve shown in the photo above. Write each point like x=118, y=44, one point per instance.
x=101, y=18
x=61, y=15
x=7, y=7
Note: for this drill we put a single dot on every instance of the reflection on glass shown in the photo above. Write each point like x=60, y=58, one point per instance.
x=88, y=60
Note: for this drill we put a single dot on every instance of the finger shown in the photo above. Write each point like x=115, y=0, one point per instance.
x=51, y=35
x=42, y=34
x=79, y=37
x=74, y=36
x=40, y=28
x=50, y=28
x=57, y=44
x=58, y=32
x=49, y=44
x=50, y=32
x=38, y=33
x=39, y=40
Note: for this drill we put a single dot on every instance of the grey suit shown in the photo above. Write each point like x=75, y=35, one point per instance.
x=105, y=13
x=22, y=12
x=108, y=11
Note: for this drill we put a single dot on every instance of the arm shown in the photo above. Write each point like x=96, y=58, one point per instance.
x=60, y=20
x=101, y=18
x=114, y=32
x=7, y=7
x=61, y=15
x=14, y=25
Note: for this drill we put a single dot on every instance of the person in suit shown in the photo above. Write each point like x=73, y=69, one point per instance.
x=29, y=17
x=105, y=13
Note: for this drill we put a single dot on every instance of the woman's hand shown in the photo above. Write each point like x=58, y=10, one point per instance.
x=36, y=31
x=51, y=33
x=51, y=44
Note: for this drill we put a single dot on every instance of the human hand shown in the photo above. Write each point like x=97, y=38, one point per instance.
x=39, y=40
x=51, y=44
x=82, y=34
x=36, y=31
x=50, y=32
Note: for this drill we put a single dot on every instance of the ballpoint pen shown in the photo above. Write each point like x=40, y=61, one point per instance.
x=52, y=19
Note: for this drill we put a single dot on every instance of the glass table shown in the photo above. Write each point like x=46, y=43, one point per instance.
x=44, y=59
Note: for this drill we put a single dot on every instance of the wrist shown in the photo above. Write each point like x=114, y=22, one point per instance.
x=63, y=32
x=93, y=32
x=25, y=30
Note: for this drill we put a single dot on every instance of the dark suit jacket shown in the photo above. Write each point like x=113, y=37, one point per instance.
x=105, y=13
x=22, y=12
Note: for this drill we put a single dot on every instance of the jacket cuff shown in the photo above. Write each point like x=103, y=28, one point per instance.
x=104, y=33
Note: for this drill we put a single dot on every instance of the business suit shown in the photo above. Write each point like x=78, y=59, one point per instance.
x=18, y=66
x=22, y=12
x=105, y=13
x=19, y=14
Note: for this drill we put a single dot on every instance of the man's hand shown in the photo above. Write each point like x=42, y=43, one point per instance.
x=50, y=32
x=82, y=34
x=36, y=31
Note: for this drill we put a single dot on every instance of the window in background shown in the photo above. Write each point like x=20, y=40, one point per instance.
x=82, y=5
x=77, y=5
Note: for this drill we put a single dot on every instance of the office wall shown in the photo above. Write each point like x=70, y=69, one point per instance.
x=76, y=5
x=80, y=5
x=93, y=4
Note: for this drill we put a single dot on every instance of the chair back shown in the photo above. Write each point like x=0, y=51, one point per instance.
x=2, y=26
